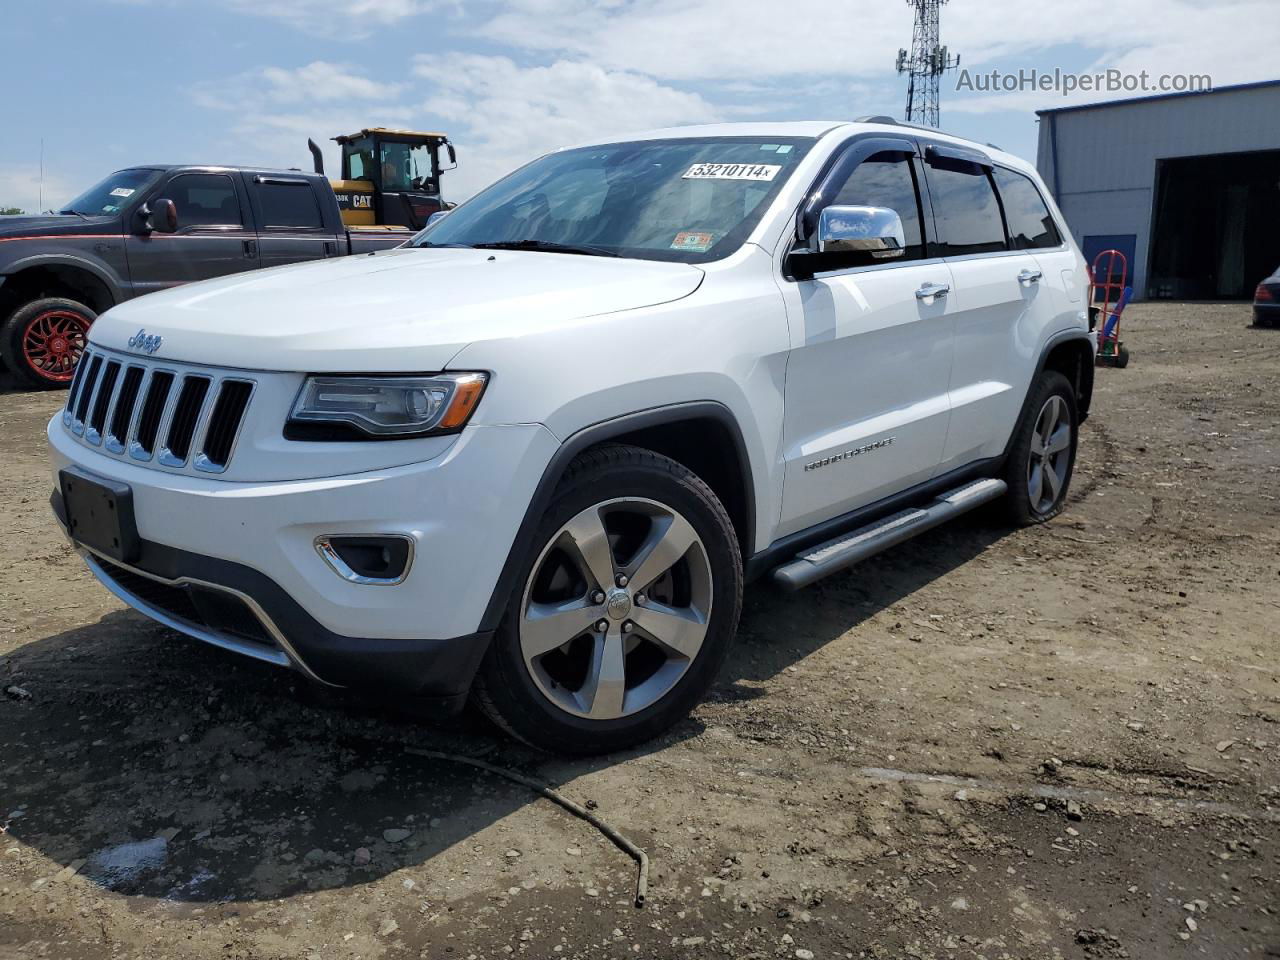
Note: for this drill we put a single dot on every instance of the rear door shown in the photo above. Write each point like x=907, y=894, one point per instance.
x=866, y=403
x=998, y=302
x=291, y=223
x=214, y=235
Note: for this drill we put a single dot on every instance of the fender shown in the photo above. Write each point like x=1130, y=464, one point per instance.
x=113, y=284
x=1054, y=340
x=588, y=437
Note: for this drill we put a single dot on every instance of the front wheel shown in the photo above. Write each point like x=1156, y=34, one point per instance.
x=42, y=341
x=1043, y=455
x=627, y=604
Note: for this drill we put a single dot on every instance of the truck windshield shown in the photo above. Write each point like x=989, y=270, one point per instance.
x=109, y=195
x=686, y=200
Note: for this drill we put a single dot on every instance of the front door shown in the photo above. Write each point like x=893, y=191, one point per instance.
x=866, y=406
x=213, y=236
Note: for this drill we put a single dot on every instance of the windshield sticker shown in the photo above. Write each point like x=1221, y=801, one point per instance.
x=732, y=171
x=693, y=241
x=122, y=192
x=785, y=148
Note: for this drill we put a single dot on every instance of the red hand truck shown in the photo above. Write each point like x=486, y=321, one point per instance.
x=1115, y=297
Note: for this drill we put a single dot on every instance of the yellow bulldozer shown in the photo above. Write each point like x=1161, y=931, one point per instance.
x=390, y=178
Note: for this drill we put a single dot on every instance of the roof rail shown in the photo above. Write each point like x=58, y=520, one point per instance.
x=878, y=118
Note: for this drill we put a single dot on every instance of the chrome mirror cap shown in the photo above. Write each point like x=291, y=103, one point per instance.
x=874, y=230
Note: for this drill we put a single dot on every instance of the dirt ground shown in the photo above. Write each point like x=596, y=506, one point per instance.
x=1057, y=742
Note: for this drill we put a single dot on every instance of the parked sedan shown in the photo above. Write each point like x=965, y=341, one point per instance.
x=1266, y=301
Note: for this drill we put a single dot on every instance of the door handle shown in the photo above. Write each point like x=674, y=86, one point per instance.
x=330, y=248
x=931, y=291
x=1030, y=276
x=250, y=248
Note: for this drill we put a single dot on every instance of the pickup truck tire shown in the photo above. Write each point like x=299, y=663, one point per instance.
x=1043, y=454
x=627, y=603
x=42, y=341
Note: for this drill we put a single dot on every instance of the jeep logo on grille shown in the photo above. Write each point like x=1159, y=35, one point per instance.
x=145, y=343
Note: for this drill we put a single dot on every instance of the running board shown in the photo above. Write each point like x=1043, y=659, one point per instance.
x=850, y=548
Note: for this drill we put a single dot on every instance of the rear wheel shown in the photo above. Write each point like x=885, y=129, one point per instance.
x=42, y=341
x=626, y=608
x=1043, y=455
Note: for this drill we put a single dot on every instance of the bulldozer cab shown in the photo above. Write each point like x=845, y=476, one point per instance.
x=391, y=178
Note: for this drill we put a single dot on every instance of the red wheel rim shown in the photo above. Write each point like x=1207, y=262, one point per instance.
x=53, y=342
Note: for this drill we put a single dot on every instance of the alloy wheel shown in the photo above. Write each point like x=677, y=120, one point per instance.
x=616, y=608
x=53, y=342
x=1050, y=456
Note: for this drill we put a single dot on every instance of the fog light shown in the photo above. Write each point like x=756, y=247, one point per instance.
x=376, y=559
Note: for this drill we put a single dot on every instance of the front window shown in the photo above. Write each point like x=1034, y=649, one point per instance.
x=405, y=166
x=688, y=200
x=109, y=196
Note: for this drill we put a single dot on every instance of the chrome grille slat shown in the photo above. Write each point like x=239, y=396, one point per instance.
x=184, y=420
x=175, y=417
x=122, y=410
x=103, y=398
x=87, y=392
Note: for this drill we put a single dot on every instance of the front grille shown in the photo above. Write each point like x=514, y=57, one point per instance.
x=210, y=610
x=131, y=407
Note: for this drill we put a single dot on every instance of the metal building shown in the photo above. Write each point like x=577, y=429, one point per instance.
x=1187, y=186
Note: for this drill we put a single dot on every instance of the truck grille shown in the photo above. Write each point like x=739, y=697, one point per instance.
x=135, y=409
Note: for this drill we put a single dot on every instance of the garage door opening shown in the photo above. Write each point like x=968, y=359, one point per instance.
x=1214, y=234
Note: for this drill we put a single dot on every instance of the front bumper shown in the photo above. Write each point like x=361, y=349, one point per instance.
x=235, y=563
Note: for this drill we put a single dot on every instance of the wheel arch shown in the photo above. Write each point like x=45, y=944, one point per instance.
x=1071, y=354
x=704, y=436
x=68, y=277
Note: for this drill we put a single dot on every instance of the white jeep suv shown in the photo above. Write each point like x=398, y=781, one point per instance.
x=534, y=455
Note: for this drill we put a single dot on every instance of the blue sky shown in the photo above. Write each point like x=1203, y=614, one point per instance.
x=110, y=83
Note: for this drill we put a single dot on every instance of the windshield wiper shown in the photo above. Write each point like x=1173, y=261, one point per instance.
x=546, y=246
x=82, y=216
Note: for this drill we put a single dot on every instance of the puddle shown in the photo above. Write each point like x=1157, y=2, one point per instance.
x=125, y=864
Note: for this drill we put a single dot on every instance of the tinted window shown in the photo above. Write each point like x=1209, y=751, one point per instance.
x=1030, y=225
x=289, y=205
x=887, y=180
x=965, y=210
x=204, y=199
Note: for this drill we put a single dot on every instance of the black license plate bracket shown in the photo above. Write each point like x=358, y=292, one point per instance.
x=99, y=514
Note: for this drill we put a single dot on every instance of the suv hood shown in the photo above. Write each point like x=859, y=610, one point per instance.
x=404, y=310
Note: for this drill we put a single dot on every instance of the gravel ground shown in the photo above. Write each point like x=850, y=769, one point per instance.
x=1057, y=742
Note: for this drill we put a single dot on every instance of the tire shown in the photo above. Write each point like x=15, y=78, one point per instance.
x=1122, y=358
x=619, y=510
x=42, y=341
x=1033, y=497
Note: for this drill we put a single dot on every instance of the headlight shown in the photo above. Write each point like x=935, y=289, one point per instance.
x=383, y=408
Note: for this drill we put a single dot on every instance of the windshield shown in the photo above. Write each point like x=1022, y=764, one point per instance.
x=109, y=195
x=685, y=200
x=405, y=166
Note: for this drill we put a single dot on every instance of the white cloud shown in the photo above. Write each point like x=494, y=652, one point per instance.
x=340, y=19
x=502, y=114
x=20, y=187
x=277, y=109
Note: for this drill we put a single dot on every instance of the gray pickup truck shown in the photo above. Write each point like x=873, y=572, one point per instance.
x=147, y=228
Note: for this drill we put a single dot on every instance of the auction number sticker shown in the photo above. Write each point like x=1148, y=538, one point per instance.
x=732, y=171
x=122, y=192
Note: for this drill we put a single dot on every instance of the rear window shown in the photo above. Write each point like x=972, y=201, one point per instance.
x=965, y=210
x=289, y=205
x=1031, y=226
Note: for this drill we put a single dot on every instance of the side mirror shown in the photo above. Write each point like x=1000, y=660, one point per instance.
x=453, y=156
x=876, y=231
x=436, y=216
x=160, y=216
